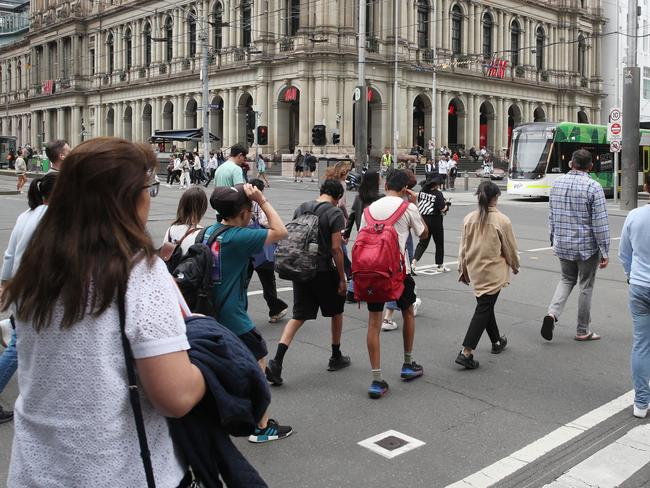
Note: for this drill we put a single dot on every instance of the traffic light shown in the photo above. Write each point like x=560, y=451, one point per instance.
x=262, y=135
x=318, y=136
x=336, y=138
x=250, y=137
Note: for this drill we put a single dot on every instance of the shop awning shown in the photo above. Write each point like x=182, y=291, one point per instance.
x=180, y=135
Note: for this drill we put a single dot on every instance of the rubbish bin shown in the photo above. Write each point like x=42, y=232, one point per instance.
x=45, y=164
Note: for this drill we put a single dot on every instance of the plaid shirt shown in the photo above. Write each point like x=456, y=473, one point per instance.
x=577, y=217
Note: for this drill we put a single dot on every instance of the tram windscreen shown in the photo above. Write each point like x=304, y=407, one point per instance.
x=530, y=151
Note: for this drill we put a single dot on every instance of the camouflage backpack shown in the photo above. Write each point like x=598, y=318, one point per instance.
x=296, y=257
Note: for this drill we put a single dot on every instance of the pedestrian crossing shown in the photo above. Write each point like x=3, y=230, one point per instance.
x=611, y=456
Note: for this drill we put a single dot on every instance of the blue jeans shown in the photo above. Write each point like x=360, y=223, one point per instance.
x=640, y=311
x=8, y=362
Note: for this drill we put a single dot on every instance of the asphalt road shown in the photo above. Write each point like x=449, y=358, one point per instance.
x=467, y=420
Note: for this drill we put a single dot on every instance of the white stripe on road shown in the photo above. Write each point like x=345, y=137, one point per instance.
x=550, y=248
x=611, y=466
x=260, y=292
x=503, y=468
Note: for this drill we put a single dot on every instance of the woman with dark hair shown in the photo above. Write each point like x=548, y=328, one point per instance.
x=89, y=264
x=191, y=209
x=368, y=193
x=488, y=251
x=39, y=191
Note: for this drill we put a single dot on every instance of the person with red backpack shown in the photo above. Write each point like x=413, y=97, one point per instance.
x=381, y=270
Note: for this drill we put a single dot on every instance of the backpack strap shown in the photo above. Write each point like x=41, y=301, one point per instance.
x=370, y=220
x=189, y=231
x=213, y=237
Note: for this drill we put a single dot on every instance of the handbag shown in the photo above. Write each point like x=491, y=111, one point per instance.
x=166, y=251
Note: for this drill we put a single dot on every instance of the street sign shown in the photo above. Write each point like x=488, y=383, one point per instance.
x=614, y=131
x=615, y=146
x=356, y=95
x=615, y=115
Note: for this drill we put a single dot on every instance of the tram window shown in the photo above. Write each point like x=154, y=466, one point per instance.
x=554, y=165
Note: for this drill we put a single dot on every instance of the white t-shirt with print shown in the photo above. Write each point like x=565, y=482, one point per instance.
x=410, y=220
x=178, y=231
x=73, y=420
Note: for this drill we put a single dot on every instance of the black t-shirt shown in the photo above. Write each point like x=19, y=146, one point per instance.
x=431, y=202
x=330, y=221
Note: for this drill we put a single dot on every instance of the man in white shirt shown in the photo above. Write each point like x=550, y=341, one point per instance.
x=443, y=167
x=410, y=220
x=213, y=163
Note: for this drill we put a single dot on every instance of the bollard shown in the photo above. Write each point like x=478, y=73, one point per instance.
x=466, y=182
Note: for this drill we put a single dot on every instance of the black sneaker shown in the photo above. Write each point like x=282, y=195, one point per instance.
x=339, y=362
x=6, y=415
x=274, y=373
x=548, y=324
x=349, y=297
x=272, y=432
x=411, y=371
x=467, y=362
x=377, y=389
x=497, y=347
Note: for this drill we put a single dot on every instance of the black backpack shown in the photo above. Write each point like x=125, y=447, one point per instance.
x=193, y=274
x=171, y=251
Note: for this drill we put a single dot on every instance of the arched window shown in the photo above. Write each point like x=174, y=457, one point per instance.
x=128, y=46
x=191, y=34
x=515, y=34
x=110, y=53
x=456, y=29
x=169, y=40
x=539, y=49
x=246, y=23
x=582, y=55
x=218, y=28
x=147, y=44
x=371, y=11
x=487, y=35
x=293, y=17
x=423, y=24
x=19, y=75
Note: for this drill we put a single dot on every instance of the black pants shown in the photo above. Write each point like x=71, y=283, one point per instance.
x=434, y=223
x=266, y=274
x=210, y=177
x=483, y=319
x=173, y=176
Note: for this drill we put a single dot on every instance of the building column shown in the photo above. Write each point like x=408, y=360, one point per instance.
x=444, y=133
x=156, y=116
x=500, y=29
x=471, y=10
x=33, y=133
x=306, y=99
x=232, y=116
x=445, y=31
x=136, y=120
x=226, y=109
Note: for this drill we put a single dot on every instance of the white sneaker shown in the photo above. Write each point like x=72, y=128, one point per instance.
x=5, y=332
x=416, y=306
x=413, y=267
x=443, y=269
x=388, y=325
x=640, y=413
x=277, y=317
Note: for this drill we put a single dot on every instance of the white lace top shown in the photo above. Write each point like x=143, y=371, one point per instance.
x=74, y=425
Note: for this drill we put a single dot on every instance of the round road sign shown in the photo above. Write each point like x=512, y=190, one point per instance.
x=615, y=115
x=616, y=129
x=614, y=146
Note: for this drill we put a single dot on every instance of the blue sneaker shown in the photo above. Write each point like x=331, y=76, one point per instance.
x=411, y=371
x=272, y=432
x=378, y=389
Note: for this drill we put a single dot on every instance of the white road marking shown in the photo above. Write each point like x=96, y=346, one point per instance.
x=612, y=465
x=371, y=444
x=261, y=292
x=503, y=468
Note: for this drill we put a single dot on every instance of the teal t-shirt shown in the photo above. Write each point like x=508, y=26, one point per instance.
x=237, y=245
x=229, y=174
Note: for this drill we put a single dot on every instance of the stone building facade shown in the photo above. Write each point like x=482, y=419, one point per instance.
x=125, y=68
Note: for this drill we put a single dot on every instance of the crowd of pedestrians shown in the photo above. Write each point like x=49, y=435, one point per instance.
x=105, y=271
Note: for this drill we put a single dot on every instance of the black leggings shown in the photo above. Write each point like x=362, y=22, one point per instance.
x=266, y=274
x=434, y=223
x=483, y=319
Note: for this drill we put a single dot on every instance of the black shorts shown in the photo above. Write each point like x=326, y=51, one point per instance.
x=405, y=301
x=255, y=343
x=321, y=292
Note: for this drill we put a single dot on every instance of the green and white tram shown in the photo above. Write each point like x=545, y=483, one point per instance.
x=541, y=151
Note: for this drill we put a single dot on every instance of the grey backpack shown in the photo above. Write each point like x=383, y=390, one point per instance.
x=296, y=257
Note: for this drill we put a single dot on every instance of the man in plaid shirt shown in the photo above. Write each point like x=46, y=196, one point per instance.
x=580, y=237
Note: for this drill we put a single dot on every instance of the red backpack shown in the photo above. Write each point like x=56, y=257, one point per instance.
x=378, y=267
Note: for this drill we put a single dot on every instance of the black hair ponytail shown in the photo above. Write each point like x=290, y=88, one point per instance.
x=40, y=190
x=486, y=192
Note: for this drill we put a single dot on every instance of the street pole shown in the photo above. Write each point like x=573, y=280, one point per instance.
x=257, y=142
x=433, y=83
x=631, y=109
x=361, y=113
x=395, y=87
x=205, y=81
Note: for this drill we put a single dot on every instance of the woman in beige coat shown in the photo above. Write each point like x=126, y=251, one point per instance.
x=488, y=251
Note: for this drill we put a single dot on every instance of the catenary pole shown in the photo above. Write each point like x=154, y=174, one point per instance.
x=395, y=81
x=361, y=112
x=631, y=113
x=434, y=58
x=205, y=82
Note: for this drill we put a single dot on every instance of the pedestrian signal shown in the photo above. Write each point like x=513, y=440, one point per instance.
x=262, y=135
x=318, y=136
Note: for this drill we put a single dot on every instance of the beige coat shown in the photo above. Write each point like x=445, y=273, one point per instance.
x=487, y=254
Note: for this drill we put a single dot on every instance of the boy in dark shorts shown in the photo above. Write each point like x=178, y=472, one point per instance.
x=233, y=249
x=327, y=290
x=397, y=183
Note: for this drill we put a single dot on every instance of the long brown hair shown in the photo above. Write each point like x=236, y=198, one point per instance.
x=486, y=192
x=191, y=207
x=336, y=172
x=82, y=252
